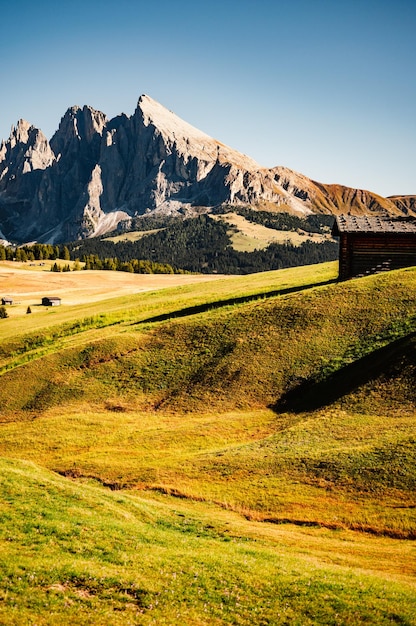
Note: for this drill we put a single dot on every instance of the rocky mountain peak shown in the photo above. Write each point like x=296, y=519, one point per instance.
x=79, y=125
x=96, y=173
x=165, y=120
x=188, y=140
x=20, y=132
x=26, y=151
x=24, y=136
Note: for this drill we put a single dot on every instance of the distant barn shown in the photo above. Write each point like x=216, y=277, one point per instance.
x=6, y=300
x=369, y=245
x=51, y=301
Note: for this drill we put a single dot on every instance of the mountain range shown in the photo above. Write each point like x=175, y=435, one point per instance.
x=96, y=174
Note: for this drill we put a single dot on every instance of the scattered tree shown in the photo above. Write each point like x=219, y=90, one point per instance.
x=21, y=255
x=65, y=254
x=3, y=312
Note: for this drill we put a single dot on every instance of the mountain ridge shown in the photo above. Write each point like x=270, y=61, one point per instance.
x=96, y=173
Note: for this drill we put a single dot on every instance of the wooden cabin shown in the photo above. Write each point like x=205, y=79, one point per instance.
x=370, y=244
x=54, y=301
x=6, y=300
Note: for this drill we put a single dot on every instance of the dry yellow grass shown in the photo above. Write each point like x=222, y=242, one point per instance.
x=134, y=235
x=250, y=236
x=27, y=284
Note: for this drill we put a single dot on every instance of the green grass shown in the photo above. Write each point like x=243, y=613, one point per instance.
x=79, y=554
x=227, y=455
x=333, y=469
x=236, y=356
x=16, y=331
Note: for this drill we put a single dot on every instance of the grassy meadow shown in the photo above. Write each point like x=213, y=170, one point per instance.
x=247, y=236
x=235, y=450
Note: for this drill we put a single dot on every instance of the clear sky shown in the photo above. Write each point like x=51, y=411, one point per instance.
x=325, y=87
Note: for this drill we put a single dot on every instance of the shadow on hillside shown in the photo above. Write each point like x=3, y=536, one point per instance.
x=311, y=395
x=217, y=304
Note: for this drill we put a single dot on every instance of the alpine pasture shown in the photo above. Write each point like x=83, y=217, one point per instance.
x=208, y=450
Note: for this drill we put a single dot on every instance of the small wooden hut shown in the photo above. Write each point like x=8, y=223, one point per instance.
x=370, y=244
x=54, y=301
x=6, y=300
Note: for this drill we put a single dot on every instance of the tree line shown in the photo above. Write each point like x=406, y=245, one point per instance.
x=34, y=252
x=136, y=266
x=203, y=245
x=92, y=261
x=198, y=244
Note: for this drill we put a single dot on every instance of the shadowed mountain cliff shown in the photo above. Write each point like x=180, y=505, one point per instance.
x=96, y=173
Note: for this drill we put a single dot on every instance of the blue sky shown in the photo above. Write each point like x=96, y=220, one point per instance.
x=325, y=87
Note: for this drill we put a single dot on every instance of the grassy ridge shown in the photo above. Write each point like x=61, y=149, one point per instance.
x=246, y=439
x=28, y=334
x=254, y=354
x=239, y=356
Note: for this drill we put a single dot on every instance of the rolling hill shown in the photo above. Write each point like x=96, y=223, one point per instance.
x=234, y=451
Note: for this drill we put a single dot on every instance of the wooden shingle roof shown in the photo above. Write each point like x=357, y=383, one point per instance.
x=373, y=224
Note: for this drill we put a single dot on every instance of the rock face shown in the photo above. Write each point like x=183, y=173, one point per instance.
x=23, y=160
x=96, y=173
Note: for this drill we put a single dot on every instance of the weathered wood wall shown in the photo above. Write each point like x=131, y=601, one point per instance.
x=368, y=253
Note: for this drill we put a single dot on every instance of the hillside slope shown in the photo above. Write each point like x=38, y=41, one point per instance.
x=241, y=452
x=80, y=554
x=244, y=356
